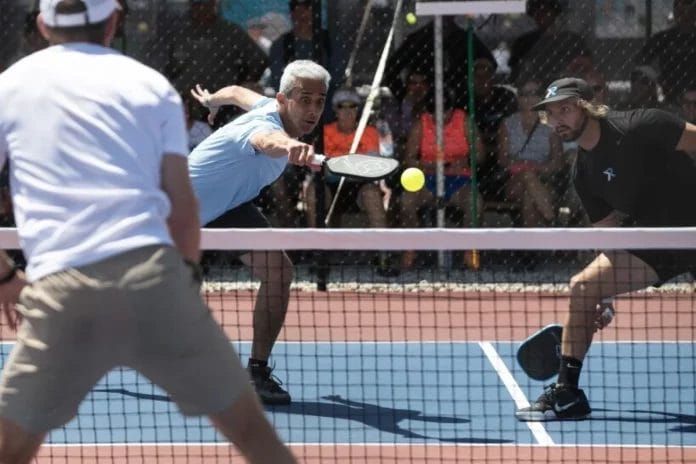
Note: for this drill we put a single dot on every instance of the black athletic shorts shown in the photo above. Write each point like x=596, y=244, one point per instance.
x=668, y=263
x=244, y=216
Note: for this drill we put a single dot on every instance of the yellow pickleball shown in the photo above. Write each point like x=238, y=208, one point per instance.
x=411, y=18
x=412, y=179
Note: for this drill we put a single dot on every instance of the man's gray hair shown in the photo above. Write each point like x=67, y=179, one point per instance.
x=302, y=69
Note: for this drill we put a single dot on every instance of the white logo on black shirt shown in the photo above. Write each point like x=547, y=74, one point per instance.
x=609, y=172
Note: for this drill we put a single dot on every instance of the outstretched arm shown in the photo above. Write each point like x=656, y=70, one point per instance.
x=230, y=95
x=277, y=144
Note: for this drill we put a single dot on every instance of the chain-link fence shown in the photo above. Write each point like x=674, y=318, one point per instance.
x=633, y=53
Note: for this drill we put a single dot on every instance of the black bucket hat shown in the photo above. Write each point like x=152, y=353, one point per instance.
x=561, y=89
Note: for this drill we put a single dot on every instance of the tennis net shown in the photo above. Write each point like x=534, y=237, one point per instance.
x=388, y=364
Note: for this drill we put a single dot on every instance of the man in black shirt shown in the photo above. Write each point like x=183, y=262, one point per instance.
x=631, y=170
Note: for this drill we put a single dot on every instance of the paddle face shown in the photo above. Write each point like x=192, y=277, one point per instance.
x=540, y=354
x=361, y=167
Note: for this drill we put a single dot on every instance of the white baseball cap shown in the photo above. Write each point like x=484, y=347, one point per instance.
x=96, y=12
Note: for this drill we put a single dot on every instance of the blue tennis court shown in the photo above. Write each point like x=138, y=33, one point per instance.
x=642, y=394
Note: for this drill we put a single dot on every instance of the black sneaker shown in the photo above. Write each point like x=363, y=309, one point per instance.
x=558, y=402
x=268, y=386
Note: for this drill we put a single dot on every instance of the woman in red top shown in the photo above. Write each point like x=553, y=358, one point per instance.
x=421, y=152
x=370, y=197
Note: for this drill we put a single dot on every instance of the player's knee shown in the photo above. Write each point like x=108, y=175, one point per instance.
x=583, y=295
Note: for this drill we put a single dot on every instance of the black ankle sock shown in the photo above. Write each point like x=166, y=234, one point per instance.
x=569, y=373
x=257, y=363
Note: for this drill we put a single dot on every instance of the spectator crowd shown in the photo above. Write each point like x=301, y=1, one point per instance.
x=521, y=167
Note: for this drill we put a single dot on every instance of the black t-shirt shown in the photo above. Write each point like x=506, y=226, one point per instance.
x=635, y=169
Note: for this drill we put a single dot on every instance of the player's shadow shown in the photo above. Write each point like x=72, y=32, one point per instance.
x=378, y=417
x=684, y=423
x=372, y=415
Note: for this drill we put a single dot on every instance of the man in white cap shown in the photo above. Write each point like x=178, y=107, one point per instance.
x=107, y=219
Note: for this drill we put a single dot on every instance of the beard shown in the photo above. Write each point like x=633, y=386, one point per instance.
x=571, y=135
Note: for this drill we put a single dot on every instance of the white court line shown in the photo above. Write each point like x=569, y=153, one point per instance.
x=540, y=434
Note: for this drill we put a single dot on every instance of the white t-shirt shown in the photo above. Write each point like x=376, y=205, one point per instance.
x=85, y=129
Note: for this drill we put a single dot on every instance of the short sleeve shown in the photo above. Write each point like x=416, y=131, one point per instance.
x=659, y=129
x=265, y=121
x=174, y=134
x=261, y=102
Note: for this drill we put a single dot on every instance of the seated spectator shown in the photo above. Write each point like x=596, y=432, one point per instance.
x=531, y=153
x=421, y=152
x=369, y=197
x=548, y=50
x=202, y=48
x=644, y=91
x=401, y=112
x=416, y=51
x=493, y=103
x=672, y=53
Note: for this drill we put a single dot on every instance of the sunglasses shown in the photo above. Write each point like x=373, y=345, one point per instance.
x=346, y=106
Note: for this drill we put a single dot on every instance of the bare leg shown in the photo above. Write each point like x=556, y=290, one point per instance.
x=539, y=195
x=311, y=203
x=17, y=446
x=533, y=197
x=462, y=200
x=245, y=425
x=610, y=274
x=370, y=201
x=275, y=271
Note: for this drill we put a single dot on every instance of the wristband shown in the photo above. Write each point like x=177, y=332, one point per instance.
x=10, y=275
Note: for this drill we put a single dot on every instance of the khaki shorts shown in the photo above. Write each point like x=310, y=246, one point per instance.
x=141, y=309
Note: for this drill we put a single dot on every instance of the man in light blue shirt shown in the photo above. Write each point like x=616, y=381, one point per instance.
x=229, y=169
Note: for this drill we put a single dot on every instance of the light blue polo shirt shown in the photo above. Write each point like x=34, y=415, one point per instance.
x=226, y=170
